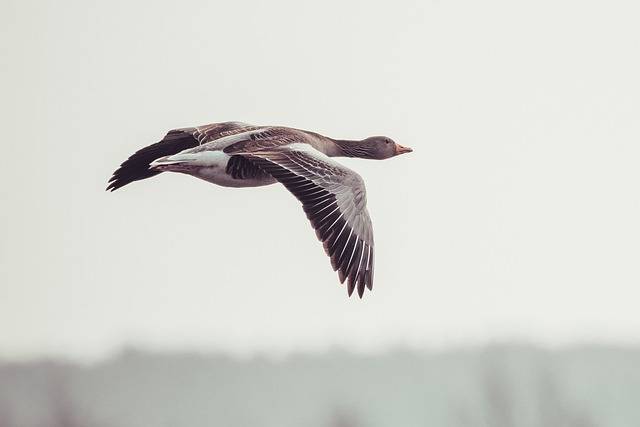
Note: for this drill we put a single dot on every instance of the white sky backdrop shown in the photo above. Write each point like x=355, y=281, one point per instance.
x=517, y=216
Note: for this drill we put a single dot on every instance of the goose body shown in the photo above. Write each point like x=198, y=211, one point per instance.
x=234, y=154
x=210, y=166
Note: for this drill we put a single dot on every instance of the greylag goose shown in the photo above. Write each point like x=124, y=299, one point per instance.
x=234, y=154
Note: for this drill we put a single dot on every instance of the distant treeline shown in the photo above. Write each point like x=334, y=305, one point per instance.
x=495, y=386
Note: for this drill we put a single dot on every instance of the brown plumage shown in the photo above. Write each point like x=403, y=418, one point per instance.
x=239, y=155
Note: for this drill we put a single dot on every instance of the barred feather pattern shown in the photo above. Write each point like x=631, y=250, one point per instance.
x=334, y=200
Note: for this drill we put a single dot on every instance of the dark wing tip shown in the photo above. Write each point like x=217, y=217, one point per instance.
x=116, y=182
x=360, y=284
x=136, y=167
x=351, y=286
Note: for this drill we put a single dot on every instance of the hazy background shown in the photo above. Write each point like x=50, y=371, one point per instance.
x=498, y=386
x=515, y=217
x=514, y=220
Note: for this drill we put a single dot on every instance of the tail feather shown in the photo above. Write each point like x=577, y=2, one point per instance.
x=137, y=166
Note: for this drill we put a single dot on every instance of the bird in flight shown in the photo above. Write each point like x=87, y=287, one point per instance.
x=234, y=154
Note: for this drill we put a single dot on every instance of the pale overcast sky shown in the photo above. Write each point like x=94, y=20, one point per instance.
x=517, y=215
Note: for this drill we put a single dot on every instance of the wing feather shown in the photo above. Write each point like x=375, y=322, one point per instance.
x=333, y=198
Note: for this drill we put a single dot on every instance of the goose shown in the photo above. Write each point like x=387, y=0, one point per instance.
x=235, y=154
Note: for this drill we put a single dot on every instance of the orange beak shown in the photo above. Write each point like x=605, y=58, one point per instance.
x=401, y=150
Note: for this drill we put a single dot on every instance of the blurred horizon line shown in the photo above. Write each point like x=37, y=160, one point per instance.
x=135, y=349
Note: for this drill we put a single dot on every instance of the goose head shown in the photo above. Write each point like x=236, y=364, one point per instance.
x=383, y=147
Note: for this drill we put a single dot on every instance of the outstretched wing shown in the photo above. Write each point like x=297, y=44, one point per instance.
x=334, y=199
